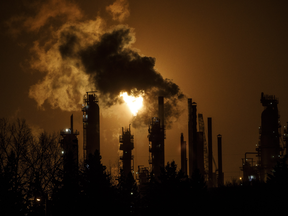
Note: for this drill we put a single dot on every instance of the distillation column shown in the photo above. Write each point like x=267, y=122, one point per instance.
x=126, y=145
x=91, y=126
x=69, y=144
x=156, y=139
x=269, y=148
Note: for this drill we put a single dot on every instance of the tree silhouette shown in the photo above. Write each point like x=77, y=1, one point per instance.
x=12, y=200
x=66, y=193
x=128, y=194
x=15, y=139
x=172, y=192
x=277, y=187
x=28, y=167
x=98, y=194
x=279, y=175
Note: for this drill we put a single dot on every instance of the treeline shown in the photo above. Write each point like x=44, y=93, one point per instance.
x=33, y=181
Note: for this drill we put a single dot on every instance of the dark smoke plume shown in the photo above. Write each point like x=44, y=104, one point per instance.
x=115, y=67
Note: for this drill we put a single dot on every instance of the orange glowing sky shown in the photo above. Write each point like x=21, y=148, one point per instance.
x=222, y=54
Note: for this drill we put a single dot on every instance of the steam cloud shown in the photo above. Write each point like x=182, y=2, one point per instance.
x=82, y=56
x=119, y=10
x=114, y=66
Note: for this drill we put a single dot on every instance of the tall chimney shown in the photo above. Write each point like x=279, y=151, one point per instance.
x=183, y=155
x=210, y=165
x=220, y=172
x=192, y=136
x=161, y=110
x=71, y=123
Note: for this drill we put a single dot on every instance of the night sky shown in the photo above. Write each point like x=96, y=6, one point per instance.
x=222, y=54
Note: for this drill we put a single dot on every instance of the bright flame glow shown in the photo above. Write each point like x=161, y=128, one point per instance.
x=134, y=103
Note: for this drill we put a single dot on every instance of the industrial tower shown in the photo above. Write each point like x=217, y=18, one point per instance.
x=156, y=139
x=126, y=145
x=192, y=136
x=183, y=155
x=220, y=171
x=91, y=126
x=210, y=154
x=69, y=144
x=269, y=146
x=196, y=140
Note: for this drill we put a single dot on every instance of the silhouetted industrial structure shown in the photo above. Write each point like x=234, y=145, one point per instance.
x=156, y=139
x=183, y=155
x=192, y=136
x=126, y=145
x=250, y=168
x=210, y=154
x=143, y=178
x=69, y=144
x=196, y=140
x=91, y=126
x=220, y=171
x=202, y=154
x=268, y=148
x=285, y=138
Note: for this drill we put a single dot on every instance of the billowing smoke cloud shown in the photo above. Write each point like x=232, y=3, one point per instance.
x=114, y=66
x=46, y=12
x=65, y=82
x=53, y=8
x=83, y=55
x=119, y=10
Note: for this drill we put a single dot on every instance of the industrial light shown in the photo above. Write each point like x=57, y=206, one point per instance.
x=62, y=152
x=38, y=199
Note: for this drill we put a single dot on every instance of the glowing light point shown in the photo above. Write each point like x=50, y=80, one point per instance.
x=134, y=103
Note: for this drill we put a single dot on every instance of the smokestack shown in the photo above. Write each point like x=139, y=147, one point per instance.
x=71, y=123
x=183, y=155
x=161, y=110
x=210, y=165
x=192, y=135
x=220, y=172
x=91, y=125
